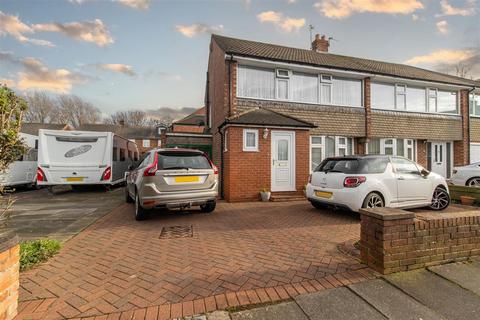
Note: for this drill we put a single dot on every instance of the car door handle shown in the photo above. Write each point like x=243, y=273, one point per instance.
x=400, y=178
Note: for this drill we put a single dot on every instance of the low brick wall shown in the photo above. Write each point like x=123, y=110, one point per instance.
x=9, y=275
x=394, y=240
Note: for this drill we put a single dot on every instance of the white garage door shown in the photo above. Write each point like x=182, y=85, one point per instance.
x=474, y=152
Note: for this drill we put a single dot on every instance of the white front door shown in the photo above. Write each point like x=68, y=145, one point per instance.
x=283, y=160
x=439, y=158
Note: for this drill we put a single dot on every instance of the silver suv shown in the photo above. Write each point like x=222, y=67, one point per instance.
x=172, y=178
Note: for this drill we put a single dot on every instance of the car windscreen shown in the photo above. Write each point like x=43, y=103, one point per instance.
x=353, y=166
x=182, y=160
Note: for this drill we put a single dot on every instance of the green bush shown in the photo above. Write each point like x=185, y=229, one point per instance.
x=37, y=251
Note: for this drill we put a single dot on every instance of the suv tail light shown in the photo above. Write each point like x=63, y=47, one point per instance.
x=41, y=175
x=353, y=182
x=107, y=174
x=214, y=167
x=152, y=168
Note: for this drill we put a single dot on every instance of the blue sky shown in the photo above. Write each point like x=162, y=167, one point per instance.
x=141, y=54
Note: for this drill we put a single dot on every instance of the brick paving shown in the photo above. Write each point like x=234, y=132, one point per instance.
x=243, y=253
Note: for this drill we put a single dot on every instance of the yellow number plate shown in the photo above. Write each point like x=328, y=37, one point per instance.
x=75, y=179
x=187, y=179
x=323, y=194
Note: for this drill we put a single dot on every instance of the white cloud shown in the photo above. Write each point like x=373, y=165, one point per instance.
x=442, y=56
x=136, y=4
x=339, y=9
x=449, y=10
x=442, y=27
x=279, y=20
x=13, y=26
x=118, y=67
x=35, y=75
x=89, y=31
x=7, y=82
x=195, y=29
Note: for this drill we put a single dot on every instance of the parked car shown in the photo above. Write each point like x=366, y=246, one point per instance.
x=172, y=178
x=354, y=182
x=467, y=175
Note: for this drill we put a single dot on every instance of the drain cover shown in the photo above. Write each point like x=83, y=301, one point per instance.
x=176, y=232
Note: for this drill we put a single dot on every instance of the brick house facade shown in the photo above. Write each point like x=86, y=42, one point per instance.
x=354, y=105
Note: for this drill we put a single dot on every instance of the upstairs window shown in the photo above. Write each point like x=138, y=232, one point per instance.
x=400, y=97
x=447, y=102
x=146, y=143
x=255, y=82
x=474, y=103
x=325, y=89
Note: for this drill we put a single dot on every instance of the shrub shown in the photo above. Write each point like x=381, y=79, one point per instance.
x=37, y=251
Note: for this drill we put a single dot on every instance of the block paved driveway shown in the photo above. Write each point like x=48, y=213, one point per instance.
x=240, y=254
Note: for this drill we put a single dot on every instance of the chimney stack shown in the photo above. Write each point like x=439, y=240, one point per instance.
x=320, y=44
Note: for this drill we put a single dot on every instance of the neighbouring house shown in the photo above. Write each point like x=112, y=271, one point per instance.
x=146, y=138
x=31, y=129
x=276, y=112
x=190, y=132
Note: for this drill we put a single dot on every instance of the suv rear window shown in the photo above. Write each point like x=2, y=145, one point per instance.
x=182, y=160
x=353, y=166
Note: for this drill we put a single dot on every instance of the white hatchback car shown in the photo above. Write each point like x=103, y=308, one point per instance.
x=354, y=182
x=467, y=175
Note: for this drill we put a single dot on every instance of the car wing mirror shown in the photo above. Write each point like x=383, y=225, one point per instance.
x=424, y=173
x=130, y=167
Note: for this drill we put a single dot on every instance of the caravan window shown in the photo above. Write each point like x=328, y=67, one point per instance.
x=32, y=155
x=122, y=154
x=115, y=154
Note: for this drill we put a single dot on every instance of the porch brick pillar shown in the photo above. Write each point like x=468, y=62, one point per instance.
x=361, y=148
x=461, y=149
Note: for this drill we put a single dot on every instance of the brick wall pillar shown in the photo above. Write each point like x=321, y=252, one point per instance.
x=461, y=148
x=362, y=143
x=422, y=153
x=9, y=275
x=393, y=240
x=231, y=87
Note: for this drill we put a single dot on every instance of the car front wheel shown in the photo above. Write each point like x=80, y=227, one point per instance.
x=473, y=182
x=140, y=212
x=373, y=200
x=440, y=199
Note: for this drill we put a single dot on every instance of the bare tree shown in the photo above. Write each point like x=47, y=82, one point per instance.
x=132, y=118
x=462, y=69
x=75, y=111
x=40, y=107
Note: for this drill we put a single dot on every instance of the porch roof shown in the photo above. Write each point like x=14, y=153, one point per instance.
x=266, y=117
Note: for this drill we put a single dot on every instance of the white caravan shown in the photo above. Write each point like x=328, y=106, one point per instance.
x=22, y=171
x=83, y=157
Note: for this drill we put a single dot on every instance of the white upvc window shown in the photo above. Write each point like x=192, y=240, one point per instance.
x=432, y=99
x=225, y=141
x=322, y=147
x=400, y=96
x=250, y=140
x=326, y=89
x=146, y=143
x=393, y=147
x=282, y=84
x=159, y=143
x=474, y=103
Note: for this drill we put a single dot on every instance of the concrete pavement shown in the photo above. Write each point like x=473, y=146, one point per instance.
x=450, y=292
x=42, y=214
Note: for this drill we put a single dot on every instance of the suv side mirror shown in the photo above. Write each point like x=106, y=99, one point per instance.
x=130, y=167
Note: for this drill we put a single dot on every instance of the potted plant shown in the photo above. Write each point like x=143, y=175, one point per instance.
x=467, y=200
x=265, y=194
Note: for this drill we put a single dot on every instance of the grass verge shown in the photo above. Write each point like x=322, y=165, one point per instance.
x=37, y=251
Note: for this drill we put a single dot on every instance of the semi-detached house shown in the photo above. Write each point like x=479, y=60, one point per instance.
x=276, y=112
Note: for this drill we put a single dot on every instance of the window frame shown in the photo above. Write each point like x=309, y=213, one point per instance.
x=323, y=146
x=406, y=146
x=321, y=83
x=400, y=93
x=247, y=148
x=278, y=75
x=146, y=143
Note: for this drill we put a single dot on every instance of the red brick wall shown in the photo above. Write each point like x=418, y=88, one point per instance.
x=368, y=107
x=246, y=173
x=461, y=148
x=9, y=280
x=422, y=152
x=142, y=149
x=406, y=242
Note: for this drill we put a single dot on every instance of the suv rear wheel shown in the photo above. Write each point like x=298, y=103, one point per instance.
x=140, y=212
x=208, y=207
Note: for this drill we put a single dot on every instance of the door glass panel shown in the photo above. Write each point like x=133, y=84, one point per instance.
x=400, y=147
x=441, y=153
x=282, y=149
x=436, y=153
